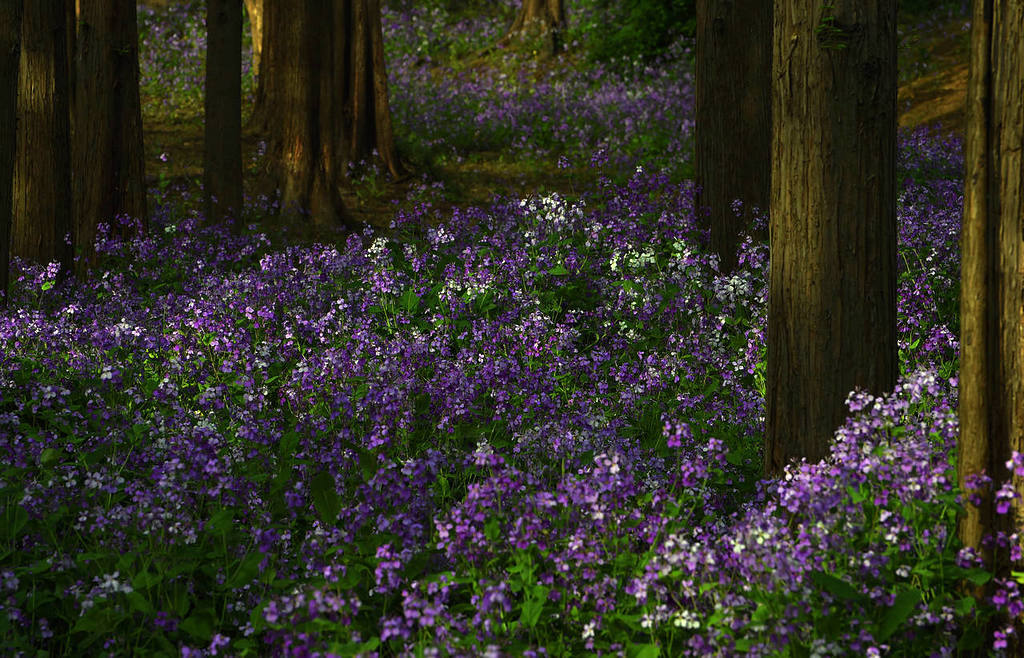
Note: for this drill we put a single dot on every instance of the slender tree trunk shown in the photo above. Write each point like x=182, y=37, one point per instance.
x=326, y=102
x=543, y=19
x=832, y=299
x=108, y=150
x=222, y=154
x=733, y=136
x=42, y=224
x=255, y=10
x=991, y=403
x=272, y=17
x=10, y=58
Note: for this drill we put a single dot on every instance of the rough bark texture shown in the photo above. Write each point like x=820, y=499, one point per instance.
x=832, y=299
x=991, y=402
x=108, y=153
x=42, y=172
x=733, y=134
x=10, y=57
x=222, y=153
x=541, y=19
x=255, y=10
x=327, y=101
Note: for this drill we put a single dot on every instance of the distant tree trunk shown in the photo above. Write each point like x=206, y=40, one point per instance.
x=543, y=19
x=10, y=58
x=272, y=17
x=255, y=10
x=222, y=153
x=108, y=151
x=42, y=173
x=991, y=402
x=327, y=101
x=832, y=287
x=733, y=134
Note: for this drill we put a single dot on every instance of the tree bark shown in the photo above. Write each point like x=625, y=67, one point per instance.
x=222, y=153
x=42, y=227
x=991, y=398
x=108, y=150
x=832, y=288
x=10, y=58
x=733, y=134
x=327, y=100
x=543, y=19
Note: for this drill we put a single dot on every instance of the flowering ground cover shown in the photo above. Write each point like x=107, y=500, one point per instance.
x=525, y=428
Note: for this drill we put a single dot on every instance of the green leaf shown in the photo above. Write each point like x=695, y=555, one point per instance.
x=901, y=609
x=49, y=457
x=409, y=301
x=835, y=586
x=325, y=497
x=978, y=576
x=199, y=625
x=144, y=580
x=248, y=569
x=964, y=606
x=558, y=270
x=643, y=651
x=533, y=606
x=140, y=603
x=221, y=522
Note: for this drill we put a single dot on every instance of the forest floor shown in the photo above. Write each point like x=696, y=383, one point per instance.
x=933, y=54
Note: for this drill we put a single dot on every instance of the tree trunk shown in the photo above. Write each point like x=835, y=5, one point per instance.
x=255, y=10
x=539, y=19
x=832, y=287
x=222, y=153
x=991, y=402
x=733, y=135
x=10, y=58
x=327, y=101
x=272, y=17
x=42, y=224
x=108, y=152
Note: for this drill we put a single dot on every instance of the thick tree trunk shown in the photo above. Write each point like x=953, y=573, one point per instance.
x=832, y=299
x=108, y=151
x=991, y=403
x=733, y=135
x=42, y=225
x=10, y=59
x=254, y=8
x=222, y=153
x=540, y=19
x=326, y=102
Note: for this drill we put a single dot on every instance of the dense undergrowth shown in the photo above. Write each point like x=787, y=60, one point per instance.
x=532, y=428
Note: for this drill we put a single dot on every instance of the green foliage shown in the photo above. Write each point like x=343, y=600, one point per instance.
x=633, y=29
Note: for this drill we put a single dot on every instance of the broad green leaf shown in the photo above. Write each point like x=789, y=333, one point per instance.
x=199, y=625
x=140, y=603
x=835, y=586
x=901, y=609
x=221, y=521
x=409, y=301
x=978, y=576
x=533, y=606
x=643, y=651
x=325, y=497
x=49, y=457
x=145, y=579
x=248, y=569
x=558, y=270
